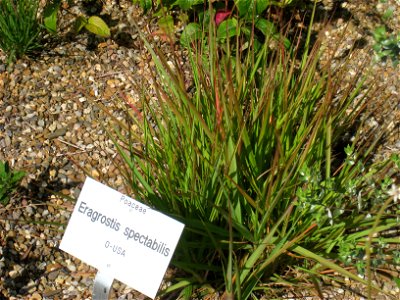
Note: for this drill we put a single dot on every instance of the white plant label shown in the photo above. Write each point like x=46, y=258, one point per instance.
x=121, y=237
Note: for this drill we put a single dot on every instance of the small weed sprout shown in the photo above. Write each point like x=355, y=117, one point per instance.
x=9, y=181
x=387, y=44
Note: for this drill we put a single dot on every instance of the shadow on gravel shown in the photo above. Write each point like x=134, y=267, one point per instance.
x=21, y=258
x=323, y=17
x=21, y=269
x=41, y=188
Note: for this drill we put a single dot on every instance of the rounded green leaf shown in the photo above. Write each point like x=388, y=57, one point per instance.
x=266, y=27
x=187, y=4
x=262, y=5
x=97, y=26
x=227, y=29
x=245, y=7
x=50, y=15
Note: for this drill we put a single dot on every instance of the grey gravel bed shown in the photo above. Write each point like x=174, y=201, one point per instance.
x=50, y=127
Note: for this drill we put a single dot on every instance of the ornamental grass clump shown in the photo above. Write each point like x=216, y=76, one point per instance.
x=19, y=28
x=252, y=159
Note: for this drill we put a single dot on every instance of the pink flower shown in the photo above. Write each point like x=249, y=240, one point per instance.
x=221, y=16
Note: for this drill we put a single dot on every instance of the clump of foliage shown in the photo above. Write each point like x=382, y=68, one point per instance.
x=9, y=181
x=231, y=26
x=235, y=18
x=387, y=44
x=250, y=159
x=93, y=24
x=19, y=28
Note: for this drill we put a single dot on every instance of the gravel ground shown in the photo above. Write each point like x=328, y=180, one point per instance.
x=51, y=128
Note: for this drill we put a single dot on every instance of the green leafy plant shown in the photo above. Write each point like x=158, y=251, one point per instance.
x=387, y=45
x=231, y=25
x=9, y=181
x=19, y=28
x=50, y=12
x=248, y=157
x=93, y=24
x=227, y=15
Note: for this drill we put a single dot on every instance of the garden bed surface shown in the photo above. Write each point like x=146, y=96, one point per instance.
x=51, y=127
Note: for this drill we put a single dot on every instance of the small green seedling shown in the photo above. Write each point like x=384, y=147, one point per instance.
x=94, y=24
x=387, y=45
x=9, y=181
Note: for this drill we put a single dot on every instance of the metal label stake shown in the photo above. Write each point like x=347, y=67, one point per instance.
x=102, y=286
